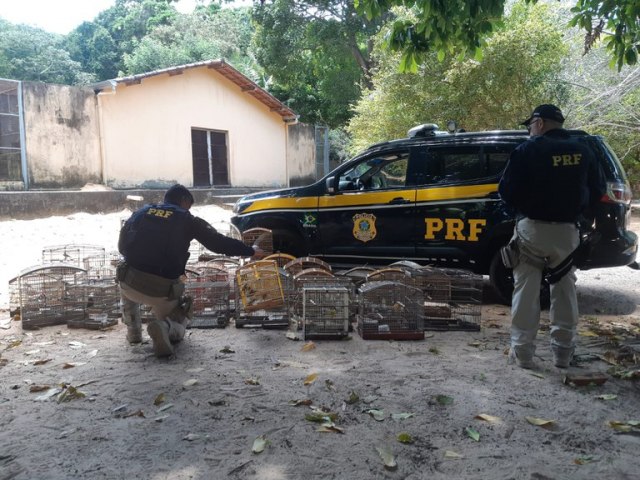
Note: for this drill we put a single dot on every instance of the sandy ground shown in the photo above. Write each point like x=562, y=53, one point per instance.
x=198, y=416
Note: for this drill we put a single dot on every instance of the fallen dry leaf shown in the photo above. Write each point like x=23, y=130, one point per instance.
x=38, y=388
x=159, y=399
x=310, y=379
x=190, y=383
x=42, y=362
x=452, y=454
x=540, y=422
x=488, y=418
x=308, y=346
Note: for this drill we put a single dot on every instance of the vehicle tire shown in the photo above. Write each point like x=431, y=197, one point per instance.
x=501, y=279
x=287, y=242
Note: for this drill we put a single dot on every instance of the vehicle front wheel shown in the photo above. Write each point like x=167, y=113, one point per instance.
x=501, y=279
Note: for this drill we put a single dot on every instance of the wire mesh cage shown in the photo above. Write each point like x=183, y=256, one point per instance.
x=325, y=312
x=396, y=274
x=52, y=295
x=314, y=277
x=280, y=258
x=261, y=237
x=452, y=298
x=390, y=310
x=303, y=263
x=259, y=295
x=71, y=254
x=358, y=275
x=14, y=298
x=210, y=295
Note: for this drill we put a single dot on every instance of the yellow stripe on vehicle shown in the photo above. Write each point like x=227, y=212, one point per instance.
x=370, y=198
x=455, y=192
x=284, y=203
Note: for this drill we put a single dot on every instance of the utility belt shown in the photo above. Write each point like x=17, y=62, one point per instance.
x=148, y=283
x=515, y=252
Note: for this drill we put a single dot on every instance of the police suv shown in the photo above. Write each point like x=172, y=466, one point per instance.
x=431, y=198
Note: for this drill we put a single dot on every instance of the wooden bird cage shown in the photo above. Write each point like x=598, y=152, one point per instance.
x=261, y=237
x=303, y=263
x=280, y=258
x=390, y=310
x=259, y=295
x=390, y=274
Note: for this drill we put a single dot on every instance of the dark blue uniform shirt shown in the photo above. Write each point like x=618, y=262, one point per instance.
x=156, y=240
x=552, y=177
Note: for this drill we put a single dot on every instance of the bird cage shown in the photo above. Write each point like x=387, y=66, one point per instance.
x=389, y=274
x=196, y=250
x=14, y=298
x=281, y=258
x=234, y=232
x=406, y=265
x=49, y=295
x=294, y=285
x=71, y=254
x=452, y=298
x=261, y=237
x=209, y=291
x=325, y=312
x=100, y=267
x=259, y=295
x=358, y=275
x=390, y=310
x=297, y=265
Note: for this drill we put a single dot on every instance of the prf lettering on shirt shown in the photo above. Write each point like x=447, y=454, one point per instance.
x=453, y=228
x=566, y=160
x=158, y=212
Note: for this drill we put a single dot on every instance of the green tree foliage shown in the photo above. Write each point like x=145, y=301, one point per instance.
x=101, y=45
x=316, y=53
x=204, y=35
x=515, y=73
x=461, y=26
x=28, y=53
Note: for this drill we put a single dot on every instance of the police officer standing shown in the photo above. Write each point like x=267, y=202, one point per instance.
x=155, y=244
x=550, y=180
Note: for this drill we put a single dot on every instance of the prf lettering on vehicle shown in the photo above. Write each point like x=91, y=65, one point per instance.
x=158, y=212
x=453, y=228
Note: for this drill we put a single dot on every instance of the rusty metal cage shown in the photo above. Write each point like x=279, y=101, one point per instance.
x=260, y=295
x=52, y=295
x=390, y=310
x=396, y=274
x=325, y=312
x=452, y=298
x=210, y=295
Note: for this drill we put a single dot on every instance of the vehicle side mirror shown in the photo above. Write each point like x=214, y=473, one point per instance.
x=330, y=184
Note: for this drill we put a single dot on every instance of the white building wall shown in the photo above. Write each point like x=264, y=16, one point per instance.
x=146, y=131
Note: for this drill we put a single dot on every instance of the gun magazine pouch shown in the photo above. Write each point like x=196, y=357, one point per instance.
x=510, y=254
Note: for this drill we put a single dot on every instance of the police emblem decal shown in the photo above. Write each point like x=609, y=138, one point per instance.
x=364, y=226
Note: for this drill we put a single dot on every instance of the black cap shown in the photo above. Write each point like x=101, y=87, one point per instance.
x=548, y=111
x=177, y=194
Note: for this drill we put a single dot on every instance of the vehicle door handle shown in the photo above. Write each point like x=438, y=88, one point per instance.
x=399, y=201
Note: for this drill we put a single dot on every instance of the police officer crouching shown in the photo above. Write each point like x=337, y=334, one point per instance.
x=155, y=244
x=551, y=180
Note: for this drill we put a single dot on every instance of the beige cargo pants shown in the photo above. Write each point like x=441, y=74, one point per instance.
x=554, y=242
